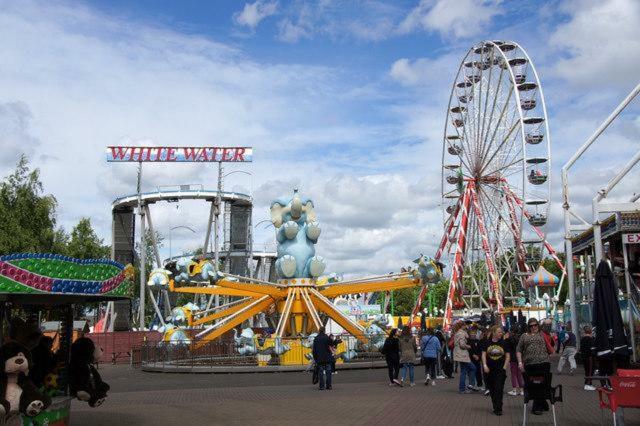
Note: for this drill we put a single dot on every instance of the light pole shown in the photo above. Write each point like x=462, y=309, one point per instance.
x=215, y=210
x=177, y=227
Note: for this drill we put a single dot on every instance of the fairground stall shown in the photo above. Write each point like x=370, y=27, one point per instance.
x=38, y=287
x=621, y=242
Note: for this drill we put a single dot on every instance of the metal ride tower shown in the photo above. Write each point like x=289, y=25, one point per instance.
x=237, y=240
x=495, y=178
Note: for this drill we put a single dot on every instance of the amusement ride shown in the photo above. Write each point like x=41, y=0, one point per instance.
x=300, y=299
x=495, y=179
x=495, y=198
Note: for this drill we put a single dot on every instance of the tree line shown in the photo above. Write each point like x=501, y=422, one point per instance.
x=28, y=221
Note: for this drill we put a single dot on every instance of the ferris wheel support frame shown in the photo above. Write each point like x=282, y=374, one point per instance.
x=494, y=284
x=520, y=250
x=457, y=268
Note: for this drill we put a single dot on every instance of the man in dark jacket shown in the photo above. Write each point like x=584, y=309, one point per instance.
x=322, y=357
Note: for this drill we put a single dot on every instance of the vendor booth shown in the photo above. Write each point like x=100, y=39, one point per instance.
x=38, y=286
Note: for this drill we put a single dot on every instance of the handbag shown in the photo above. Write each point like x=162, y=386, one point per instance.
x=314, y=376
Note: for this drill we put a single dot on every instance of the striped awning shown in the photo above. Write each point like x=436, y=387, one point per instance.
x=542, y=278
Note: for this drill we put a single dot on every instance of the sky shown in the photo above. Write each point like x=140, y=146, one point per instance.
x=345, y=100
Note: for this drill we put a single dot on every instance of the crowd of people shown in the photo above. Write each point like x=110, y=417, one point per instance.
x=482, y=356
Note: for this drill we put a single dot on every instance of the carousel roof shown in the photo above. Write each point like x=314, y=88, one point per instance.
x=542, y=278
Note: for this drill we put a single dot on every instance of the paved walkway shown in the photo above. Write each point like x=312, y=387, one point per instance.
x=358, y=397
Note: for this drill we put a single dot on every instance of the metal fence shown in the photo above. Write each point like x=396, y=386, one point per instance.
x=227, y=353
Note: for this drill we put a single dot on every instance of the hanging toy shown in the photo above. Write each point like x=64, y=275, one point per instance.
x=85, y=382
x=18, y=394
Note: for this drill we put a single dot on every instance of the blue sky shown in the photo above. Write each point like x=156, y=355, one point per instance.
x=345, y=99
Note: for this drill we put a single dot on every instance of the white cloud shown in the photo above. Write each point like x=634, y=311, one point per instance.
x=300, y=23
x=292, y=32
x=599, y=44
x=364, y=20
x=432, y=73
x=253, y=13
x=462, y=19
x=15, y=132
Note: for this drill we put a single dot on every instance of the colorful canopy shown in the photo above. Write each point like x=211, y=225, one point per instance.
x=46, y=274
x=542, y=278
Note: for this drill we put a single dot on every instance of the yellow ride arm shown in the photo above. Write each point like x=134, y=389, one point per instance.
x=219, y=314
x=379, y=284
x=325, y=305
x=218, y=329
x=253, y=287
x=214, y=290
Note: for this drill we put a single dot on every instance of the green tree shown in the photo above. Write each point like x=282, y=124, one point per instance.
x=84, y=243
x=404, y=299
x=27, y=216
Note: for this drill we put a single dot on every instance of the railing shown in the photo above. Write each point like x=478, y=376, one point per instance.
x=226, y=353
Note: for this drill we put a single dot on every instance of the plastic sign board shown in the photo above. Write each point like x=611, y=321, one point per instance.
x=359, y=309
x=179, y=154
x=631, y=238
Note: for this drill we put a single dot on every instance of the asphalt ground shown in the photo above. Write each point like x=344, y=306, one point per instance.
x=358, y=397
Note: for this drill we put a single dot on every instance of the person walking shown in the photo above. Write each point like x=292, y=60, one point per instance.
x=441, y=355
x=517, y=381
x=568, y=351
x=586, y=343
x=495, y=359
x=408, y=349
x=430, y=351
x=322, y=356
x=461, y=355
x=391, y=351
x=533, y=358
x=475, y=353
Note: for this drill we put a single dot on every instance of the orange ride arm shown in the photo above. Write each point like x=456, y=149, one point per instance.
x=382, y=284
x=264, y=289
x=227, y=323
x=215, y=290
x=325, y=305
x=220, y=314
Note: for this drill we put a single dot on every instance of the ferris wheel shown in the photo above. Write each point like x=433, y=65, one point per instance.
x=495, y=177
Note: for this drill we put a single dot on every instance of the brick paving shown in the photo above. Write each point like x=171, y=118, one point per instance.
x=358, y=397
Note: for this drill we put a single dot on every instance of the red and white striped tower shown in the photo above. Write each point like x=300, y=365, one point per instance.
x=457, y=268
x=493, y=276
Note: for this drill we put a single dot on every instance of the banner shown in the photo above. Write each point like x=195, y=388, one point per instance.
x=179, y=154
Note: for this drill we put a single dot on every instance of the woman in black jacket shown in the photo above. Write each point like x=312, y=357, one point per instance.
x=391, y=351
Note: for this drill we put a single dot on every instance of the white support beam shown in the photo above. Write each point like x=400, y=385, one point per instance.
x=579, y=228
x=617, y=207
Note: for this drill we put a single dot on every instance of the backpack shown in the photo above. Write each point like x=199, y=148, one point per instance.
x=425, y=345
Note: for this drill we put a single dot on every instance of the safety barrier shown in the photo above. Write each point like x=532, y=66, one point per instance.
x=223, y=355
